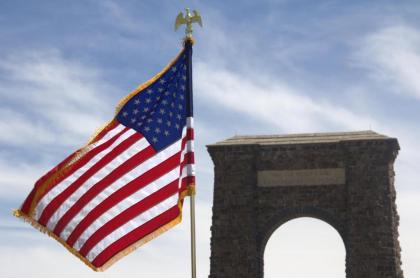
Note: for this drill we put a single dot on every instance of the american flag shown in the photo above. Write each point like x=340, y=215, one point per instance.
x=127, y=185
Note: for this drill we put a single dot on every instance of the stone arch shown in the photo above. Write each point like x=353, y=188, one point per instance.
x=289, y=214
x=285, y=215
x=285, y=219
x=344, y=179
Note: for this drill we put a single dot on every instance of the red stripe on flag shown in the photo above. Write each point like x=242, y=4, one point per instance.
x=28, y=201
x=190, y=133
x=54, y=204
x=132, y=237
x=97, y=188
x=123, y=193
x=188, y=159
x=130, y=213
x=189, y=136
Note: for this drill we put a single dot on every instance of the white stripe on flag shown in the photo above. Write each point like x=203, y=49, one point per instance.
x=189, y=147
x=190, y=122
x=124, y=180
x=47, y=198
x=98, y=176
x=131, y=225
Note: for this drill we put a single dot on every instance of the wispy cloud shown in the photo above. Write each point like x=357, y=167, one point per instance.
x=274, y=102
x=392, y=55
x=47, y=97
x=120, y=16
x=16, y=185
x=50, y=106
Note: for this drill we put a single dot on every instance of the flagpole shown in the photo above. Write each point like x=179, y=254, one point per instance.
x=188, y=42
x=193, y=249
x=188, y=20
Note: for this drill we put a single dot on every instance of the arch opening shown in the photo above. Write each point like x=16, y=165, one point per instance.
x=305, y=247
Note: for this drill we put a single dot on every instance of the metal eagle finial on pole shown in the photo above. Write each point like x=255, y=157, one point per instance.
x=188, y=20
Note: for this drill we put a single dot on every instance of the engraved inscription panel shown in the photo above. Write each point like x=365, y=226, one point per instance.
x=327, y=176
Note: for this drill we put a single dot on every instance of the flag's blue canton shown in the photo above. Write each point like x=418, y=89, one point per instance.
x=159, y=112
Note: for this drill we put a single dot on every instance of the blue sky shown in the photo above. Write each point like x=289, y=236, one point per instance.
x=260, y=67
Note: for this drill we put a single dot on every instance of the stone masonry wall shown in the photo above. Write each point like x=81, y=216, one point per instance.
x=362, y=209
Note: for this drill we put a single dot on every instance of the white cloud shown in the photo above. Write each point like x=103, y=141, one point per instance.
x=48, y=98
x=19, y=130
x=274, y=102
x=119, y=16
x=13, y=183
x=393, y=55
x=49, y=104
